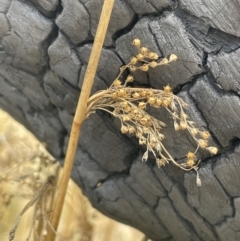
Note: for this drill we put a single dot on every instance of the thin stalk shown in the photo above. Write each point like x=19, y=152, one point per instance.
x=80, y=113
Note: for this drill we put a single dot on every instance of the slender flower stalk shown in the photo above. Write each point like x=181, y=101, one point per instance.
x=80, y=113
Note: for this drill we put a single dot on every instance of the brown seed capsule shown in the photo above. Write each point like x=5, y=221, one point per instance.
x=153, y=56
x=160, y=162
x=190, y=162
x=142, y=141
x=184, y=115
x=198, y=180
x=161, y=136
x=134, y=60
x=149, y=93
x=190, y=155
x=128, y=109
x=131, y=130
x=145, y=156
x=159, y=102
x=213, y=150
x=124, y=129
x=145, y=130
x=166, y=102
x=123, y=104
x=205, y=134
x=143, y=121
x=135, y=112
x=126, y=118
x=143, y=93
x=183, y=125
x=164, y=61
x=173, y=57
x=149, y=123
x=121, y=92
x=142, y=105
x=176, y=126
x=117, y=83
x=153, y=64
x=138, y=116
x=202, y=143
x=129, y=78
x=194, y=131
x=140, y=57
x=144, y=67
x=144, y=51
x=153, y=139
x=151, y=100
x=132, y=68
x=114, y=95
x=137, y=42
x=167, y=89
x=135, y=95
x=128, y=94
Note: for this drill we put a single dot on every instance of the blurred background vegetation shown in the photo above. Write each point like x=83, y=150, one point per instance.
x=79, y=220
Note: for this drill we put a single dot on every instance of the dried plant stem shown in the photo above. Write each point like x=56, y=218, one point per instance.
x=80, y=114
x=29, y=204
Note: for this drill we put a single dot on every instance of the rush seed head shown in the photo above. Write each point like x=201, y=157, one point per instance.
x=137, y=42
x=130, y=106
x=213, y=150
x=167, y=89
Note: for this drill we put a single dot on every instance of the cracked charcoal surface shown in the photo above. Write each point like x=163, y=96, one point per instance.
x=207, y=38
x=210, y=200
x=221, y=110
x=27, y=84
x=48, y=5
x=179, y=230
x=172, y=37
x=115, y=193
x=64, y=60
x=107, y=59
x=89, y=170
x=23, y=47
x=98, y=138
x=182, y=207
x=230, y=230
x=74, y=21
x=148, y=189
x=148, y=6
x=121, y=10
x=58, y=94
x=44, y=51
x=225, y=70
x=219, y=14
x=227, y=169
x=4, y=6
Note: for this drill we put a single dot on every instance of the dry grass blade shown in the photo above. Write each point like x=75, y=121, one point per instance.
x=81, y=112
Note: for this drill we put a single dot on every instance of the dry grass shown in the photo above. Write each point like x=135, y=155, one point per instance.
x=25, y=166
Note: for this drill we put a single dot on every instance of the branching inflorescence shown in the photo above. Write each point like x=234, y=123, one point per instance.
x=129, y=106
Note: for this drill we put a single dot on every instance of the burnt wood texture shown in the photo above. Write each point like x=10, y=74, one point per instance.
x=45, y=46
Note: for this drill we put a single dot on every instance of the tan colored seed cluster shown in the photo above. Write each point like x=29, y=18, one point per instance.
x=129, y=106
x=146, y=59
